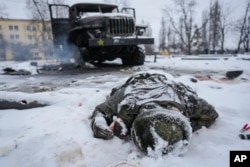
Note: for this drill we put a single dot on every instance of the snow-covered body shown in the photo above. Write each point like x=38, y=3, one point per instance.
x=59, y=134
x=149, y=101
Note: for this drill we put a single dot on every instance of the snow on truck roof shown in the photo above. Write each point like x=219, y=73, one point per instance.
x=94, y=7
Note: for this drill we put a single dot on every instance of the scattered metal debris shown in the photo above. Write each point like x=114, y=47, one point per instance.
x=233, y=74
x=11, y=71
x=20, y=105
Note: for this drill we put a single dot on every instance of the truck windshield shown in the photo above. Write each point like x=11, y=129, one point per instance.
x=60, y=11
x=83, y=14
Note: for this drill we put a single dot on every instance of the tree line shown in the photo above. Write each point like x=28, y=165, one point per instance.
x=179, y=30
x=179, y=33
x=39, y=14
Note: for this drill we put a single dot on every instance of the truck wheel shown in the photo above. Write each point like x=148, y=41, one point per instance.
x=137, y=57
x=85, y=54
x=78, y=57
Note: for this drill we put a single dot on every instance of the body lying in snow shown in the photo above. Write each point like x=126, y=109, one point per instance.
x=158, y=114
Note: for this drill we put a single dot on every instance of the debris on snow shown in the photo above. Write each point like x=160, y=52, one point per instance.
x=20, y=105
x=233, y=74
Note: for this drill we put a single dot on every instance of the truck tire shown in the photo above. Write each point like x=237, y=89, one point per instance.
x=137, y=57
x=78, y=57
x=79, y=40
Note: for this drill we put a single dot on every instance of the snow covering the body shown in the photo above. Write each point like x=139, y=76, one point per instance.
x=157, y=90
x=177, y=119
x=175, y=115
x=179, y=148
x=159, y=144
x=119, y=121
x=101, y=122
x=60, y=134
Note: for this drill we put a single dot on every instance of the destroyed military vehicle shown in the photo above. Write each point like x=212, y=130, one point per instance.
x=99, y=32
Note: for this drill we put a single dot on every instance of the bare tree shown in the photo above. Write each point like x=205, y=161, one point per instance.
x=224, y=25
x=3, y=12
x=245, y=30
x=197, y=40
x=172, y=42
x=39, y=11
x=149, y=49
x=162, y=35
x=40, y=14
x=169, y=38
x=247, y=36
x=214, y=24
x=204, y=30
x=185, y=27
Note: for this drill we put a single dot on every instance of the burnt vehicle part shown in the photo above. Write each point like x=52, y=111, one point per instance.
x=98, y=32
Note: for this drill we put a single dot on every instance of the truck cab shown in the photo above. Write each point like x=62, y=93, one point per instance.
x=99, y=31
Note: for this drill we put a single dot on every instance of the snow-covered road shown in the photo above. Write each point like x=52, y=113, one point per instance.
x=60, y=134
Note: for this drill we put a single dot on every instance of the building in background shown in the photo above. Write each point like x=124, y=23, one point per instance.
x=25, y=39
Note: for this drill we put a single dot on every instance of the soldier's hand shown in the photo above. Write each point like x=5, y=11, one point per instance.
x=100, y=132
x=101, y=129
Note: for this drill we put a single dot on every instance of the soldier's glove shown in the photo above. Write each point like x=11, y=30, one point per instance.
x=100, y=128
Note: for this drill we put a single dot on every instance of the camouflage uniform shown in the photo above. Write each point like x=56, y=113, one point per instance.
x=155, y=112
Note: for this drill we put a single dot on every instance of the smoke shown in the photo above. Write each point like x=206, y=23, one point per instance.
x=66, y=52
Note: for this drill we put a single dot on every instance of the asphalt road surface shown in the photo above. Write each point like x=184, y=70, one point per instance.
x=56, y=77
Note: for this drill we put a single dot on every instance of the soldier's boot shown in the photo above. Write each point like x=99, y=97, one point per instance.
x=160, y=131
x=204, y=115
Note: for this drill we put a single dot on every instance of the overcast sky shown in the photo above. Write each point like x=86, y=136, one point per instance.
x=147, y=10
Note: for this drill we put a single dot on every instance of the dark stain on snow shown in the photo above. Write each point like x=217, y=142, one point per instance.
x=20, y=105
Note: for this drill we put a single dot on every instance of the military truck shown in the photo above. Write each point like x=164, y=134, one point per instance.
x=99, y=32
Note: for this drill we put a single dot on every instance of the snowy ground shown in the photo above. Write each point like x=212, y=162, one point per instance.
x=60, y=134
